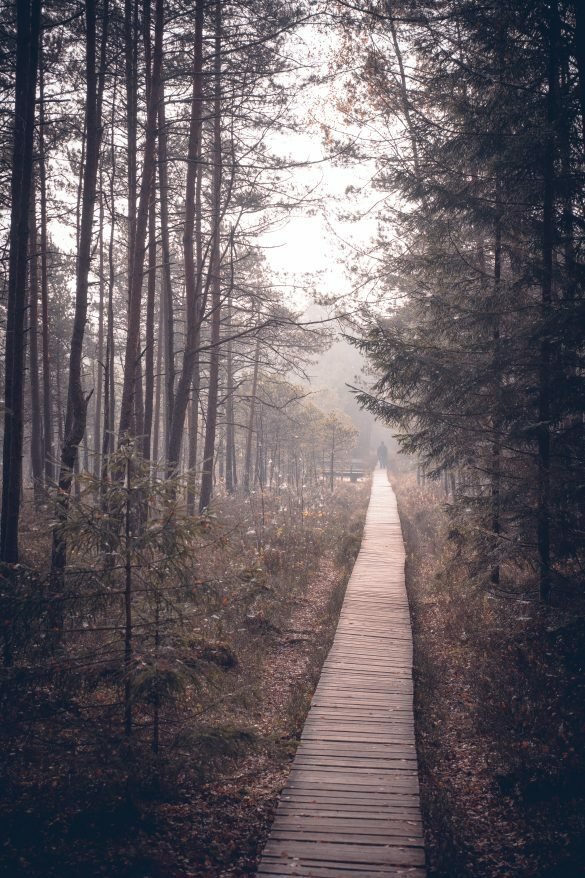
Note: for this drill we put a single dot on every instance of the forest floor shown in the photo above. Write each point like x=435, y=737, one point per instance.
x=189, y=820
x=500, y=713
x=224, y=825
x=499, y=700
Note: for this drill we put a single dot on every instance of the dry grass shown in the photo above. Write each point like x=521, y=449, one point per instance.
x=500, y=713
x=79, y=799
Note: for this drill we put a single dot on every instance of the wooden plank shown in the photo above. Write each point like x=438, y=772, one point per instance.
x=328, y=829
x=386, y=732
x=340, y=838
x=357, y=758
x=363, y=751
x=372, y=823
x=355, y=801
x=354, y=763
x=318, y=870
x=351, y=804
x=297, y=808
x=366, y=854
x=385, y=772
x=332, y=810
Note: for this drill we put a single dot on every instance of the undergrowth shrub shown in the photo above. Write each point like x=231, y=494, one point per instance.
x=210, y=596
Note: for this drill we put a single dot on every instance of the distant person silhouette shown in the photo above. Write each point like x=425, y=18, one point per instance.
x=383, y=455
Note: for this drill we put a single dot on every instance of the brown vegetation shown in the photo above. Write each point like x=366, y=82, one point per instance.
x=81, y=798
x=500, y=711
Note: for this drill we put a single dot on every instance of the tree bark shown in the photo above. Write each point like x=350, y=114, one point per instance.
x=132, y=353
x=230, y=451
x=579, y=48
x=193, y=431
x=131, y=64
x=149, y=339
x=193, y=275
x=250, y=432
x=97, y=429
x=109, y=388
x=496, y=475
x=158, y=389
x=28, y=13
x=166, y=282
x=215, y=268
x=36, y=438
x=77, y=401
x=128, y=599
x=496, y=463
x=48, y=452
x=548, y=247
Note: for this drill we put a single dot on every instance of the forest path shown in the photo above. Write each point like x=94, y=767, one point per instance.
x=351, y=805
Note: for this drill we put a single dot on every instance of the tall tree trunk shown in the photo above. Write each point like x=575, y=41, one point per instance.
x=131, y=41
x=80, y=188
x=332, y=462
x=251, y=418
x=158, y=388
x=196, y=383
x=579, y=49
x=59, y=399
x=128, y=600
x=151, y=277
x=36, y=438
x=47, y=401
x=132, y=353
x=131, y=65
x=548, y=247
x=496, y=425
x=97, y=429
x=137, y=423
x=109, y=388
x=230, y=476
x=84, y=441
x=221, y=455
x=193, y=275
x=496, y=464
x=28, y=13
x=166, y=283
x=149, y=340
x=77, y=401
x=193, y=421
x=215, y=269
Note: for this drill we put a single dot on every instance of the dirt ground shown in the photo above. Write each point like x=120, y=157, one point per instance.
x=500, y=712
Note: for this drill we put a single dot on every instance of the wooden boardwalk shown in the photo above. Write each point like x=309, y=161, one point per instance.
x=351, y=806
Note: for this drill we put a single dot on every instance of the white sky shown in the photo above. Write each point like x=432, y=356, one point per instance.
x=312, y=248
x=317, y=240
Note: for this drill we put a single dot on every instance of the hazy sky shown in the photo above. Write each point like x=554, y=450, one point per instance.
x=316, y=244
x=313, y=246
